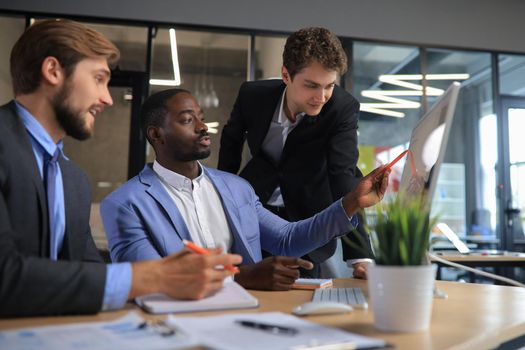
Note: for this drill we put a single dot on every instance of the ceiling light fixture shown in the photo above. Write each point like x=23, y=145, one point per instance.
x=400, y=80
x=213, y=127
x=175, y=60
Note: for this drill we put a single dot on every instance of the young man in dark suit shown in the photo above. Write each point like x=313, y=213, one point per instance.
x=48, y=261
x=302, y=136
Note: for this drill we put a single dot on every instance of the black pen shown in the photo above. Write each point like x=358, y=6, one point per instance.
x=272, y=328
x=159, y=327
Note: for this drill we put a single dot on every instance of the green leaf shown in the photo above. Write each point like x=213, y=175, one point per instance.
x=401, y=232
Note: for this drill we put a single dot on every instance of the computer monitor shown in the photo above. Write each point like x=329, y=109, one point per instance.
x=428, y=144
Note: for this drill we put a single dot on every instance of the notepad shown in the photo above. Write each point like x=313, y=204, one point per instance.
x=312, y=283
x=231, y=296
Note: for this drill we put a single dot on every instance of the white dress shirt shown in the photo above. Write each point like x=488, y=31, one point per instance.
x=199, y=205
x=274, y=141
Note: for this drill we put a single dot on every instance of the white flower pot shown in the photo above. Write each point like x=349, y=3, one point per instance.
x=401, y=296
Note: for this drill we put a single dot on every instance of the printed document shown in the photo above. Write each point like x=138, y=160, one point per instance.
x=227, y=332
x=129, y=332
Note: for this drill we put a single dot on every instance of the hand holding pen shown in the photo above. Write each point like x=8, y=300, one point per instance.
x=368, y=192
x=371, y=189
x=183, y=275
x=199, y=250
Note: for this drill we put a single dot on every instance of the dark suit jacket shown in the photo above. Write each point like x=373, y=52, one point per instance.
x=30, y=283
x=318, y=162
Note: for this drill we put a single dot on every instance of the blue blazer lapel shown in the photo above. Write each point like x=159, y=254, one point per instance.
x=240, y=246
x=158, y=192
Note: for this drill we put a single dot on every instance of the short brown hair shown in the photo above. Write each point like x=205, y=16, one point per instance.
x=69, y=42
x=313, y=44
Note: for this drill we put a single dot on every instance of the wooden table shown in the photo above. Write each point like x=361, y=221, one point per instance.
x=474, y=316
x=515, y=258
x=510, y=259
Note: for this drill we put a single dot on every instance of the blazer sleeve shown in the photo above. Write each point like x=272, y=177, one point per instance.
x=91, y=252
x=281, y=237
x=128, y=238
x=344, y=175
x=233, y=137
x=34, y=286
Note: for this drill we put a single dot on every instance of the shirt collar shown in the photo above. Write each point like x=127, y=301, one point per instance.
x=38, y=133
x=177, y=180
x=281, y=117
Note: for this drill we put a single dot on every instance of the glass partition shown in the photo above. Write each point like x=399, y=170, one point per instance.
x=132, y=42
x=10, y=30
x=512, y=75
x=389, y=107
x=211, y=65
x=465, y=194
x=268, y=57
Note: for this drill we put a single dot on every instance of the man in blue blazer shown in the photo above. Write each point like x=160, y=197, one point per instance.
x=176, y=198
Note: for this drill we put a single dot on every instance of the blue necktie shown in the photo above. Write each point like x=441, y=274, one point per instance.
x=53, y=208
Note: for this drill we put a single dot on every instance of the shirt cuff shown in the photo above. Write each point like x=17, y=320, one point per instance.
x=118, y=285
x=350, y=262
x=354, y=219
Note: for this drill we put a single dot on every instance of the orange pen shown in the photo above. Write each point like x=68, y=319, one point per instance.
x=392, y=163
x=199, y=250
x=410, y=158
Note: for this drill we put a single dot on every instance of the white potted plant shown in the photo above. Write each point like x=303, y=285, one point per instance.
x=401, y=281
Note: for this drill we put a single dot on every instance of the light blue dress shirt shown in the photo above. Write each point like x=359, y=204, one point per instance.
x=118, y=276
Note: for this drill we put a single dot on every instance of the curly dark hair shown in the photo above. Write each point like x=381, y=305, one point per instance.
x=314, y=44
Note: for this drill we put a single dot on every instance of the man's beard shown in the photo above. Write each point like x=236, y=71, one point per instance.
x=72, y=121
x=201, y=154
x=198, y=155
x=195, y=154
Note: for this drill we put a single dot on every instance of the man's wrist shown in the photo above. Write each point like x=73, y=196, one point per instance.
x=240, y=277
x=349, y=203
x=146, y=278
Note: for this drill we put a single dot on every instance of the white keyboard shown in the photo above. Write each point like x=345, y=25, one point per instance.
x=351, y=296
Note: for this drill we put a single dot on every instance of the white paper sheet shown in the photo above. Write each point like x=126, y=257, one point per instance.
x=222, y=332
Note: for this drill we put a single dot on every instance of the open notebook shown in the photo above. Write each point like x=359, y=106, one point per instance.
x=231, y=296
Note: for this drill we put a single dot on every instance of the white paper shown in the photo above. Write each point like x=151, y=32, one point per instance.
x=231, y=296
x=222, y=332
x=123, y=333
